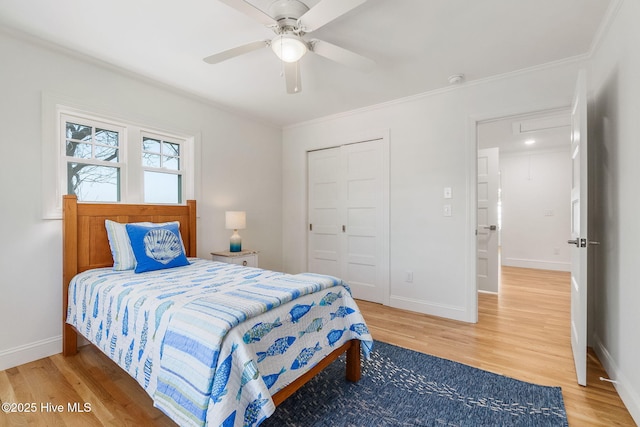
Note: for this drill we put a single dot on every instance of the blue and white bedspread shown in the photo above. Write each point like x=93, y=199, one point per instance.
x=211, y=342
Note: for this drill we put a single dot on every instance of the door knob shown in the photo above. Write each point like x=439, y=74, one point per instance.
x=490, y=227
x=582, y=243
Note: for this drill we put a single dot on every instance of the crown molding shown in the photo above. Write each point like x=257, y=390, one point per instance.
x=511, y=74
x=610, y=16
x=35, y=40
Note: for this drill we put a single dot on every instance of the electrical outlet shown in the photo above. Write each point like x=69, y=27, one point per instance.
x=409, y=277
x=446, y=210
x=447, y=192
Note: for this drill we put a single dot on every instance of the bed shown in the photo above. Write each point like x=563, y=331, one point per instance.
x=264, y=334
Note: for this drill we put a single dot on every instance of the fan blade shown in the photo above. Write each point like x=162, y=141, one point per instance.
x=341, y=55
x=236, y=51
x=292, y=77
x=325, y=12
x=251, y=11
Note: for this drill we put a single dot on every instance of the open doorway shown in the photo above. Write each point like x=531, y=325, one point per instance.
x=532, y=192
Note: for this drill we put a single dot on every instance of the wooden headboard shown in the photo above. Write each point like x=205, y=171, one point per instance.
x=85, y=244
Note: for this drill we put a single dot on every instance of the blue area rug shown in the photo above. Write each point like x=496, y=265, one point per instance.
x=400, y=387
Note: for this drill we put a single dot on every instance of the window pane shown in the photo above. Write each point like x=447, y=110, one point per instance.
x=151, y=160
x=78, y=150
x=152, y=145
x=107, y=137
x=78, y=132
x=107, y=154
x=93, y=183
x=170, y=149
x=162, y=187
x=172, y=163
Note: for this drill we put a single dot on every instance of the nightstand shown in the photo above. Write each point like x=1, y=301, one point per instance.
x=245, y=258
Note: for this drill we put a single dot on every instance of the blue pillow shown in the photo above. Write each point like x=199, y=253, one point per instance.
x=123, y=258
x=156, y=247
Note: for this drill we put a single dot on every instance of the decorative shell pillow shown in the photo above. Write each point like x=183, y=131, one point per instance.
x=156, y=247
x=123, y=258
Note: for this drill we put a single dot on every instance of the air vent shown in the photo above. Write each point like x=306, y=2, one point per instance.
x=541, y=124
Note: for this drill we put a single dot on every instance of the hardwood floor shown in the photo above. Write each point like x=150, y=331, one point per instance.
x=523, y=334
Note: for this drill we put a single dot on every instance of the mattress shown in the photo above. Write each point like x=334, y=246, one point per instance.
x=211, y=342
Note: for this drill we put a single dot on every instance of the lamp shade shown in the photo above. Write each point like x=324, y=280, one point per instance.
x=288, y=47
x=235, y=220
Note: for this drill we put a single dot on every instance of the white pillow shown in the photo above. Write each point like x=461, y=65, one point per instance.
x=121, y=251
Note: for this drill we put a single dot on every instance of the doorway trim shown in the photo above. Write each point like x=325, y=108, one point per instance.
x=473, y=120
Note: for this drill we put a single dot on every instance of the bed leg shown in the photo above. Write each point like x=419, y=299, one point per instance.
x=353, y=361
x=69, y=340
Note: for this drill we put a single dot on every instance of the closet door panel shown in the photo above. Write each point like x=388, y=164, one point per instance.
x=324, y=188
x=363, y=208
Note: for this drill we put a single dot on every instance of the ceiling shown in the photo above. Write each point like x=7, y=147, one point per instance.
x=416, y=44
x=549, y=130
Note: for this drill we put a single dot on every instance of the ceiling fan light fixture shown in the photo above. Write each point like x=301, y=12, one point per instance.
x=288, y=47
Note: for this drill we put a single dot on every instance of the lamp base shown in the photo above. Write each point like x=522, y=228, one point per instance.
x=235, y=244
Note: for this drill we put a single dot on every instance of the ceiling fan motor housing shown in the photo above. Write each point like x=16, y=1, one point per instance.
x=287, y=13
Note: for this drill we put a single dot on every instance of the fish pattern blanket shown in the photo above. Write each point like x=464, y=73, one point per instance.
x=211, y=342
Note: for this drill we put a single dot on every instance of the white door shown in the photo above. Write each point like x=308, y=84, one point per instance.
x=487, y=267
x=324, y=192
x=363, y=229
x=348, y=226
x=579, y=238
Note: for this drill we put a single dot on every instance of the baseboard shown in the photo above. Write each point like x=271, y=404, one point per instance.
x=625, y=390
x=426, y=307
x=29, y=352
x=536, y=264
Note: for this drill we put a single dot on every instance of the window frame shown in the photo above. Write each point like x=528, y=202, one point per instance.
x=54, y=160
x=121, y=164
x=180, y=171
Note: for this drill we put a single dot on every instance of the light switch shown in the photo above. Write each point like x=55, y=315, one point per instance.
x=446, y=210
x=447, y=192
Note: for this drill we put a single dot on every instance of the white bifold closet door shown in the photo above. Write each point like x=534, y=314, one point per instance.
x=347, y=235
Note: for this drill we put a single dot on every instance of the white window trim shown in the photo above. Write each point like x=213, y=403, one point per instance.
x=83, y=118
x=54, y=183
x=184, y=158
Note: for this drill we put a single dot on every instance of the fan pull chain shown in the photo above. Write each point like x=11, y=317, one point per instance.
x=282, y=72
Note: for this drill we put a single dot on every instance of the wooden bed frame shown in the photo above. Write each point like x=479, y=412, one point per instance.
x=86, y=246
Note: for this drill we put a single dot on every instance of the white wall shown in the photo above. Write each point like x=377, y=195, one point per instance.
x=536, y=214
x=432, y=139
x=239, y=168
x=614, y=136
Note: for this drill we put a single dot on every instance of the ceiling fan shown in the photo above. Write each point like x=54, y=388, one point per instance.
x=291, y=20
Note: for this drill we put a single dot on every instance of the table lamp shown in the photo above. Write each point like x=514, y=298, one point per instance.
x=235, y=220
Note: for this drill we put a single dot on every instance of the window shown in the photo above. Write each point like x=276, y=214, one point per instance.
x=161, y=162
x=92, y=154
x=105, y=159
